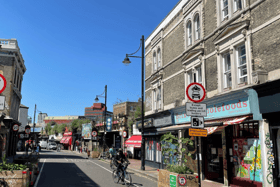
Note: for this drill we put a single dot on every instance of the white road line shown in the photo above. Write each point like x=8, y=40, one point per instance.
x=108, y=170
x=39, y=174
x=65, y=159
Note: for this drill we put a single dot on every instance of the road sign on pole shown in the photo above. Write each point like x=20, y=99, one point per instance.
x=197, y=122
x=195, y=92
x=198, y=132
x=196, y=109
x=3, y=83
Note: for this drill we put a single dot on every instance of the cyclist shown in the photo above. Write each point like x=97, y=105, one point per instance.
x=120, y=159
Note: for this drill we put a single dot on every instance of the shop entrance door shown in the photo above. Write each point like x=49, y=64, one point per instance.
x=214, y=158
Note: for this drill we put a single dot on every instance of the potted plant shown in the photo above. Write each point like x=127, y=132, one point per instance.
x=14, y=174
x=176, y=169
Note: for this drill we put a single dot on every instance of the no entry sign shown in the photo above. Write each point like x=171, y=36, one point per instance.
x=3, y=83
x=195, y=92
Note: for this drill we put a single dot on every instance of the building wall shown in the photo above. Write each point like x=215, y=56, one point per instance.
x=23, y=114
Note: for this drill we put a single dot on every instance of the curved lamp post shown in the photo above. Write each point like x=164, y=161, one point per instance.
x=96, y=100
x=127, y=62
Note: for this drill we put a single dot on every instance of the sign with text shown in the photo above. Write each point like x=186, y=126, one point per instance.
x=173, y=180
x=196, y=109
x=198, y=132
x=2, y=102
x=86, y=131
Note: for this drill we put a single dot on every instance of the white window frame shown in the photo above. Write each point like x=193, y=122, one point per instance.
x=159, y=97
x=197, y=26
x=226, y=72
x=190, y=76
x=155, y=99
x=238, y=51
x=155, y=61
x=237, y=5
x=223, y=8
x=197, y=74
x=159, y=58
x=189, y=31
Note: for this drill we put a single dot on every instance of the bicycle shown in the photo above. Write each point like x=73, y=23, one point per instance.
x=112, y=163
x=123, y=176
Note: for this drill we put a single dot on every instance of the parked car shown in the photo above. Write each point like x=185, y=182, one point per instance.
x=43, y=144
x=51, y=145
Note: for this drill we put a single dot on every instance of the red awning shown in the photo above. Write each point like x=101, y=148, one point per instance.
x=134, y=141
x=226, y=122
x=68, y=140
x=62, y=140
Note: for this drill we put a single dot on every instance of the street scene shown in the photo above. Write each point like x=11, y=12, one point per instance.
x=181, y=93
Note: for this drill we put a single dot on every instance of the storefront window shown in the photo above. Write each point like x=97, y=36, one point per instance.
x=158, y=152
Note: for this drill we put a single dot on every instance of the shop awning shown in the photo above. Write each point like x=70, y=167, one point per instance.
x=134, y=141
x=226, y=122
x=67, y=140
x=62, y=140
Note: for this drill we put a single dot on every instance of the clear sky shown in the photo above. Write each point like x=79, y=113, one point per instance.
x=72, y=49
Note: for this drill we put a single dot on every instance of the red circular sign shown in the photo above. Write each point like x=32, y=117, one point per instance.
x=182, y=181
x=124, y=134
x=195, y=92
x=15, y=127
x=27, y=131
x=3, y=83
x=94, y=133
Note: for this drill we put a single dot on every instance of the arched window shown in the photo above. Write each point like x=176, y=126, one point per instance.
x=189, y=28
x=155, y=61
x=159, y=58
x=197, y=27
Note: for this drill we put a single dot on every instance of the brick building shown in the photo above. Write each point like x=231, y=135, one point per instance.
x=12, y=67
x=231, y=48
x=60, y=119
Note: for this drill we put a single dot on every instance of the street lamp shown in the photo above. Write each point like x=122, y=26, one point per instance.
x=96, y=100
x=127, y=62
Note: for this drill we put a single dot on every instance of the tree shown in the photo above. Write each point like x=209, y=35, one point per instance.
x=48, y=129
x=61, y=128
x=77, y=124
x=55, y=129
x=138, y=112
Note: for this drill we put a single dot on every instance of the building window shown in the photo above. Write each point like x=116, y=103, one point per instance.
x=158, y=152
x=159, y=58
x=190, y=77
x=131, y=108
x=224, y=9
x=241, y=64
x=227, y=70
x=155, y=61
x=189, y=28
x=159, y=98
x=237, y=5
x=15, y=76
x=195, y=75
x=197, y=27
x=198, y=75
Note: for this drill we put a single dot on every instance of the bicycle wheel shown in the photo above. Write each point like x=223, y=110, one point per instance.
x=116, y=176
x=127, y=179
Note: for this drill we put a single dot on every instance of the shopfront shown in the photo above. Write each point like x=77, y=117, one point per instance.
x=67, y=140
x=233, y=152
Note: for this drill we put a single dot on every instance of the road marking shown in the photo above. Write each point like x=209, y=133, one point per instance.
x=108, y=170
x=65, y=159
x=39, y=174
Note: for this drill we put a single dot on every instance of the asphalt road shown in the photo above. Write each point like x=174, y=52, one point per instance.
x=67, y=169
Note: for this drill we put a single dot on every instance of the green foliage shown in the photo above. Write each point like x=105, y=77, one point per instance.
x=169, y=138
x=4, y=166
x=137, y=113
x=61, y=128
x=55, y=129
x=179, y=169
x=48, y=129
x=77, y=124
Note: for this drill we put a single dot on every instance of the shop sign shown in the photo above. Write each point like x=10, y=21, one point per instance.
x=163, y=121
x=173, y=181
x=2, y=102
x=67, y=134
x=237, y=107
x=147, y=123
x=198, y=132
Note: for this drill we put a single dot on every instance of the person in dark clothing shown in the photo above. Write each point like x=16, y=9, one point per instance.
x=120, y=159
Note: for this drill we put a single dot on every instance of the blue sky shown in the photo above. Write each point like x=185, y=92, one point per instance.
x=72, y=49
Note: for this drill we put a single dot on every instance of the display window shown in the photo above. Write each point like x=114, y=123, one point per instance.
x=247, y=152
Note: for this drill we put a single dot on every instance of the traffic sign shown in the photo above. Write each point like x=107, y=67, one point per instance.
x=21, y=136
x=197, y=122
x=15, y=127
x=196, y=109
x=182, y=181
x=198, y=132
x=124, y=134
x=3, y=83
x=26, y=135
x=94, y=133
x=195, y=92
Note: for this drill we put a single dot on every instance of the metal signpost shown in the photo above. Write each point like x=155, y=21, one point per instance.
x=196, y=93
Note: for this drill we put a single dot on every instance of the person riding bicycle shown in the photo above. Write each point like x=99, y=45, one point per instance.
x=120, y=159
